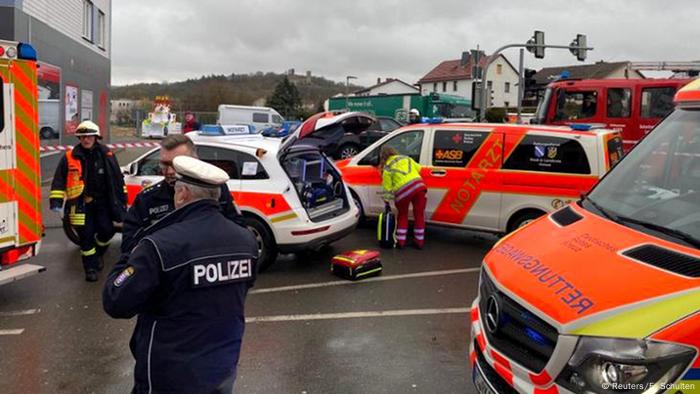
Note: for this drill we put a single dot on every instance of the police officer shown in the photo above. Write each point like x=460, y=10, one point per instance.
x=187, y=280
x=89, y=178
x=156, y=201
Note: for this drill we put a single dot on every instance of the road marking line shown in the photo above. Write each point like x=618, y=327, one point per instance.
x=355, y=315
x=11, y=332
x=20, y=313
x=378, y=279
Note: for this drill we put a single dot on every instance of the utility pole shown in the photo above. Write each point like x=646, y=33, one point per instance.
x=347, y=90
x=521, y=83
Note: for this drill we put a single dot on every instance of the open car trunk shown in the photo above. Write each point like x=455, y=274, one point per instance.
x=317, y=182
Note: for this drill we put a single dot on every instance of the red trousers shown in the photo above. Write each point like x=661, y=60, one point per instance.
x=418, y=200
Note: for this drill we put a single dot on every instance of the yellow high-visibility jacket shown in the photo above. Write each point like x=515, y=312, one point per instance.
x=398, y=173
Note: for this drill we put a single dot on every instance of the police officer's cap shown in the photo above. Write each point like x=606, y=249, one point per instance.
x=198, y=173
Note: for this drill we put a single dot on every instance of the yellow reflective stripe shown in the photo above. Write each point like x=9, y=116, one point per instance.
x=57, y=194
x=368, y=272
x=100, y=243
x=644, y=320
x=76, y=219
x=284, y=217
x=88, y=252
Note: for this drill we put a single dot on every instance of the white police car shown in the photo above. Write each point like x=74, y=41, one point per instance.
x=292, y=196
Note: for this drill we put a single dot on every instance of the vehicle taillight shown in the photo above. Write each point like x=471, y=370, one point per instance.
x=2, y=51
x=14, y=255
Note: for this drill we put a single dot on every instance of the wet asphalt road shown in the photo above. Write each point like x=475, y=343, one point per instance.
x=404, y=332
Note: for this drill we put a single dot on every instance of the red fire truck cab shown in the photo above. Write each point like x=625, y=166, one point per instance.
x=632, y=106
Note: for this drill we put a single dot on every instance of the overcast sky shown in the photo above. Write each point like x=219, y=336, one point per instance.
x=176, y=39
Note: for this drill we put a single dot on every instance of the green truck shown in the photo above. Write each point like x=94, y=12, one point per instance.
x=397, y=105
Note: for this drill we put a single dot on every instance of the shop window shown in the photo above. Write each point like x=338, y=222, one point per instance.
x=454, y=148
x=549, y=154
x=619, y=102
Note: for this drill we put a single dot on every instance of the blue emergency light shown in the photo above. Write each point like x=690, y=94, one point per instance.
x=581, y=127
x=26, y=52
x=431, y=120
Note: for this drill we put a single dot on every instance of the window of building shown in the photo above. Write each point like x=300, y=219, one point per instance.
x=657, y=102
x=489, y=85
x=260, y=117
x=499, y=69
x=549, y=154
x=454, y=86
x=454, y=148
x=87, y=20
x=619, y=102
x=101, y=30
x=507, y=87
x=444, y=86
x=435, y=87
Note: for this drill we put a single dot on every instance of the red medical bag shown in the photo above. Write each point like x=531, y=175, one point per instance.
x=357, y=264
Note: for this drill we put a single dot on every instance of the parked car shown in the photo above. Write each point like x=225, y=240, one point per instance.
x=351, y=144
x=292, y=196
x=288, y=126
x=489, y=177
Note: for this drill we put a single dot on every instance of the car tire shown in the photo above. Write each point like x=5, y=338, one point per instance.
x=347, y=151
x=523, y=218
x=267, y=249
x=70, y=231
x=46, y=133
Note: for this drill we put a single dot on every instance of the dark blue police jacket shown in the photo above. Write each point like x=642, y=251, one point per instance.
x=187, y=281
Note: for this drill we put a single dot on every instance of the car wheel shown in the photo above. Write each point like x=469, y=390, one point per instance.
x=348, y=150
x=46, y=133
x=523, y=219
x=267, y=249
x=70, y=231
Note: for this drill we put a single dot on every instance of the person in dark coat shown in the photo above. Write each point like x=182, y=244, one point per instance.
x=90, y=182
x=187, y=280
x=156, y=201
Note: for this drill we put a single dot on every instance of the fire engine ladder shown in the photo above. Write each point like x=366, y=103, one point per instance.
x=689, y=68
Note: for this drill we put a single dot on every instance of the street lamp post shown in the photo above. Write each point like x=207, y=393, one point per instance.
x=347, y=90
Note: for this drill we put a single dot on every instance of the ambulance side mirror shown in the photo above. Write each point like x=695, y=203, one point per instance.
x=132, y=169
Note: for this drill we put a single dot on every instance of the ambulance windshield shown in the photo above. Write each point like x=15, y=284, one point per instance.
x=656, y=189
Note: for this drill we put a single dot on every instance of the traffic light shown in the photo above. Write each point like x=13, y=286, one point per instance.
x=578, y=47
x=536, y=44
x=476, y=95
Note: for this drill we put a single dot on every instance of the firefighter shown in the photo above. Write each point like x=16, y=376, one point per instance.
x=401, y=182
x=187, y=281
x=89, y=179
x=413, y=116
x=156, y=201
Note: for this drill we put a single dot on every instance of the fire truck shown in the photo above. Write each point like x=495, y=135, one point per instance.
x=20, y=179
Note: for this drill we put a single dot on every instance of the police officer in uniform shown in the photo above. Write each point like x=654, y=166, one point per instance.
x=187, y=280
x=89, y=178
x=156, y=201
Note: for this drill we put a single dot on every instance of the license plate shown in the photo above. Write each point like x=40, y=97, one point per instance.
x=480, y=382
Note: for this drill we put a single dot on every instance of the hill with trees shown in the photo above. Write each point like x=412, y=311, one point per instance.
x=207, y=92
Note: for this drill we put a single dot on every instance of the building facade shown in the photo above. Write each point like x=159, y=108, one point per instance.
x=388, y=86
x=455, y=77
x=73, y=42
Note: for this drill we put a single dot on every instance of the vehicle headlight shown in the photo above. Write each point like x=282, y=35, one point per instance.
x=611, y=365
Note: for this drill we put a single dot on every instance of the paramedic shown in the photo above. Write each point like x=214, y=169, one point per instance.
x=89, y=178
x=413, y=116
x=187, y=281
x=401, y=181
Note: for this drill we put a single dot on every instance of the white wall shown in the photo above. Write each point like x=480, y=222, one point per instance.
x=66, y=16
x=499, y=81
